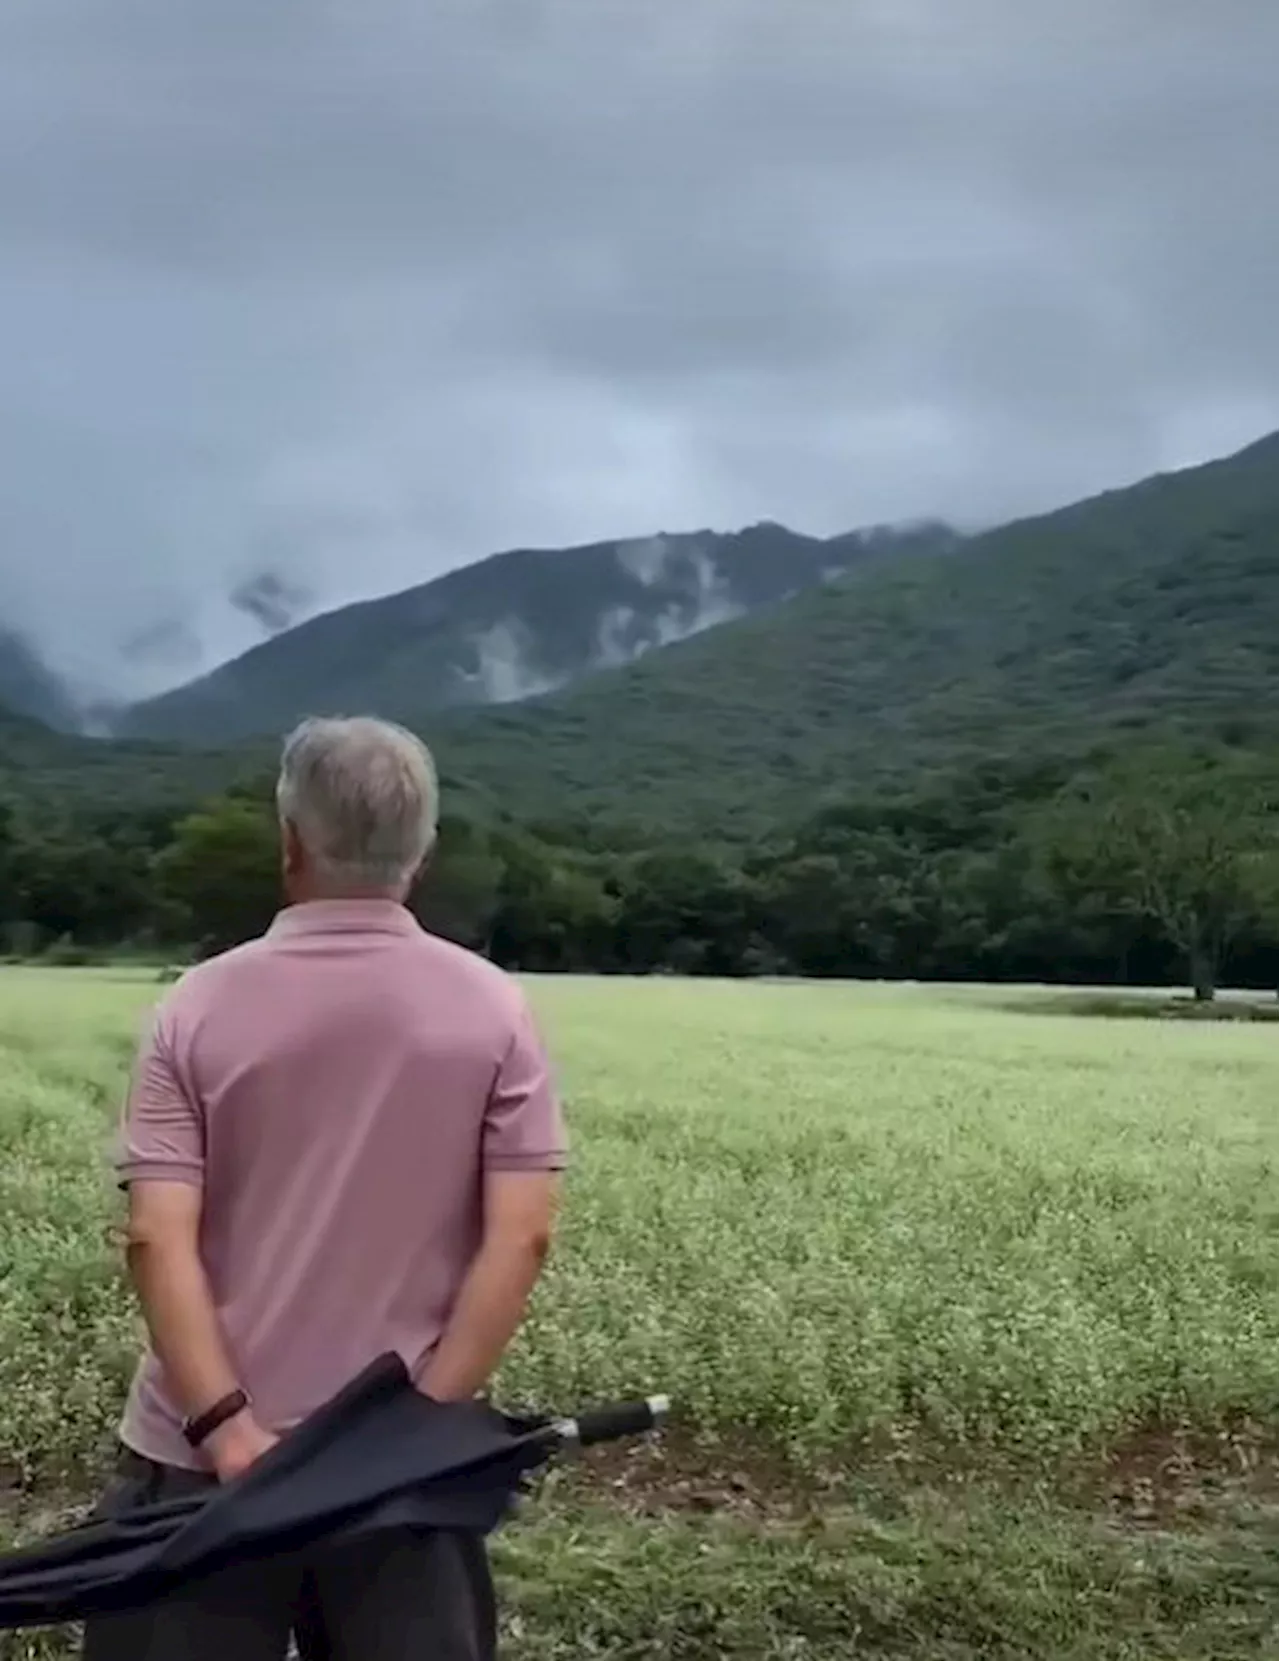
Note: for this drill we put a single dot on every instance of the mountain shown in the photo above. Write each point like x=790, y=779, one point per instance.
x=49, y=770
x=1145, y=612
x=510, y=627
x=151, y=651
x=29, y=687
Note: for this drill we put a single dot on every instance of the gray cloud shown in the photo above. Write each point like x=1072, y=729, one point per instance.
x=352, y=293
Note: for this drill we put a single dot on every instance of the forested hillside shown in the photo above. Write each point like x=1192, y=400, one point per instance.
x=1150, y=610
x=1048, y=754
x=511, y=626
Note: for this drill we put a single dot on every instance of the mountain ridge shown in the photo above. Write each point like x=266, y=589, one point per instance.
x=29, y=687
x=1145, y=611
x=510, y=626
x=1144, y=614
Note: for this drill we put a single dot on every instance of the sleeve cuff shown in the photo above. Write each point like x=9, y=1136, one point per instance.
x=556, y=1161
x=158, y=1170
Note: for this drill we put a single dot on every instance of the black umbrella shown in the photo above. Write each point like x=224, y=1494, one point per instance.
x=378, y=1456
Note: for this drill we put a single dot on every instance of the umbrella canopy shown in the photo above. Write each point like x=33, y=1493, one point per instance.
x=378, y=1456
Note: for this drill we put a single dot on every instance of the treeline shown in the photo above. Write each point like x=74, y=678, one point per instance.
x=1156, y=870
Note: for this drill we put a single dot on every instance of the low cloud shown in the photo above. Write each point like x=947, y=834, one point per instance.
x=356, y=295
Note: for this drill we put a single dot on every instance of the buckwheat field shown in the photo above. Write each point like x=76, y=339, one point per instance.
x=967, y=1313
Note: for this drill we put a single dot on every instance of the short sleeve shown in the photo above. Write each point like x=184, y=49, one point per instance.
x=162, y=1133
x=524, y=1125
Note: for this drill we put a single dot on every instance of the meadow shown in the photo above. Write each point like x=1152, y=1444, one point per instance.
x=968, y=1314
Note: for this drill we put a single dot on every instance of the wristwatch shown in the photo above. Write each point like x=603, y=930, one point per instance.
x=199, y=1429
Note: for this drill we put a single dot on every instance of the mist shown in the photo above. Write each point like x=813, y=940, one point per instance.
x=324, y=302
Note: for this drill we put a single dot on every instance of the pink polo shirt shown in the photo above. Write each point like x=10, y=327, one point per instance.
x=336, y=1089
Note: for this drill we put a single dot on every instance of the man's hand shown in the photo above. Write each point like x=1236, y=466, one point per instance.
x=519, y=1214
x=236, y=1445
x=164, y=1258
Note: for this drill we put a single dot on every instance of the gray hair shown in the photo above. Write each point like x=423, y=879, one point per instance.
x=363, y=798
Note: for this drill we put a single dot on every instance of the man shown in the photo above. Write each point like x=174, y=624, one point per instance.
x=341, y=1139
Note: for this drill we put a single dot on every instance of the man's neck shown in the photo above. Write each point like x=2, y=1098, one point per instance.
x=308, y=894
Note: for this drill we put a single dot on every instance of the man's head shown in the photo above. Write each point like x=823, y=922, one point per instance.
x=358, y=804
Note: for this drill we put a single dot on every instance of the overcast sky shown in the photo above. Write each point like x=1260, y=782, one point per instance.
x=358, y=292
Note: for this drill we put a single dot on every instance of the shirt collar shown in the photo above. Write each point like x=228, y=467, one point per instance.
x=344, y=917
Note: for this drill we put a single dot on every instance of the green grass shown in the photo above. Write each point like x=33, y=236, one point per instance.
x=968, y=1316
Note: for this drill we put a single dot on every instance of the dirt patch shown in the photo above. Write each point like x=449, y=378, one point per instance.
x=1156, y=1477
x=673, y=1474
x=1166, y=1478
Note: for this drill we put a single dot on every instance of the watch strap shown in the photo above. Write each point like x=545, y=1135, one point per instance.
x=199, y=1429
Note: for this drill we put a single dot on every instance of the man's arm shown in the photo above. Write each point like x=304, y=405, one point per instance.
x=519, y=1209
x=164, y=1261
x=162, y=1165
x=522, y=1154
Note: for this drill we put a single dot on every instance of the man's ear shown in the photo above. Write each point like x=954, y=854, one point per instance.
x=424, y=865
x=292, y=857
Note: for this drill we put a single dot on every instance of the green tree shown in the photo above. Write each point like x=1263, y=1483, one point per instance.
x=221, y=874
x=9, y=857
x=556, y=910
x=1183, y=841
x=685, y=910
x=460, y=892
x=66, y=879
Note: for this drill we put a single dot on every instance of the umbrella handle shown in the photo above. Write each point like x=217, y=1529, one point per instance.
x=607, y=1424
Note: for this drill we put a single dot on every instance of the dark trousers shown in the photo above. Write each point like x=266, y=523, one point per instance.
x=399, y=1597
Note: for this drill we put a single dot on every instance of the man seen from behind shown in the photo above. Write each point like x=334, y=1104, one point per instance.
x=341, y=1139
